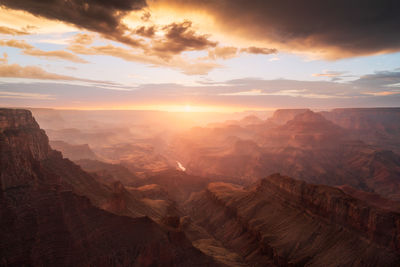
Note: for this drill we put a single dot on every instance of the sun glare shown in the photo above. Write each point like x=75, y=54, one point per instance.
x=188, y=108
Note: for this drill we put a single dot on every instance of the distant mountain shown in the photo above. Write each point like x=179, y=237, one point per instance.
x=285, y=222
x=282, y=116
x=308, y=147
x=375, y=126
x=49, y=216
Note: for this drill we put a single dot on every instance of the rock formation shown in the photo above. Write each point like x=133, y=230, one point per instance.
x=47, y=221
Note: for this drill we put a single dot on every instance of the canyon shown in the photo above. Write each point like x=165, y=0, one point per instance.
x=301, y=188
x=49, y=214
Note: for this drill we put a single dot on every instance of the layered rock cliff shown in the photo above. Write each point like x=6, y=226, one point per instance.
x=47, y=220
x=377, y=225
x=285, y=222
x=22, y=144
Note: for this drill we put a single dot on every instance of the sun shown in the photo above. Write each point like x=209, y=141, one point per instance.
x=188, y=108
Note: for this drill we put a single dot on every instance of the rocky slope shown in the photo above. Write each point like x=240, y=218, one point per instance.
x=285, y=222
x=108, y=173
x=47, y=220
x=73, y=152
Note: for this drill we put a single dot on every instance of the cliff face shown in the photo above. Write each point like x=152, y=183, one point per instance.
x=74, y=152
x=47, y=221
x=377, y=225
x=286, y=222
x=21, y=143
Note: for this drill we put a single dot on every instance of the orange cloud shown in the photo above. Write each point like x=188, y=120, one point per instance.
x=190, y=67
x=225, y=52
x=11, y=31
x=34, y=72
x=58, y=54
x=16, y=43
x=259, y=50
x=83, y=39
x=22, y=95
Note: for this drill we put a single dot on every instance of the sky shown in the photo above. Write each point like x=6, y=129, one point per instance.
x=199, y=55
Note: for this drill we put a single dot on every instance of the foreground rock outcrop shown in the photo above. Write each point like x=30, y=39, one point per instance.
x=47, y=220
x=286, y=222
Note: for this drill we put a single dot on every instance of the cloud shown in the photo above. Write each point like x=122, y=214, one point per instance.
x=11, y=31
x=21, y=44
x=186, y=66
x=332, y=29
x=330, y=74
x=146, y=16
x=247, y=93
x=181, y=37
x=102, y=16
x=259, y=50
x=144, y=31
x=21, y=95
x=83, y=39
x=34, y=72
x=383, y=93
x=29, y=50
x=334, y=75
x=58, y=54
x=224, y=52
x=380, y=79
x=4, y=60
x=227, y=52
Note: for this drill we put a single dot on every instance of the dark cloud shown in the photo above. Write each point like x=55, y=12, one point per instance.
x=334, y=28
x=144, y=31
x=181, y=37
x=103, y=16
x=146, y=16
x=380, y=79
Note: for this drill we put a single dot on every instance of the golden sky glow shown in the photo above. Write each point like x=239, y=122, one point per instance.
x=197, y=56
x=24, y=20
